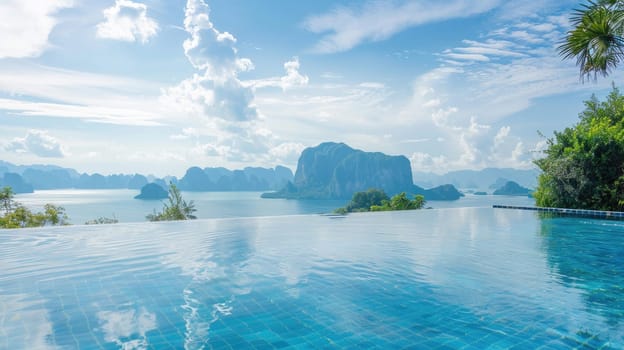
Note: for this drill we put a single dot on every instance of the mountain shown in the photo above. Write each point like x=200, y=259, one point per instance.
x=50, y=179
x=484, y=179
x=512, y=189
x=16, y=182
x=152, y=191
x=47, y=177
x=248, y=179
x=336, y=171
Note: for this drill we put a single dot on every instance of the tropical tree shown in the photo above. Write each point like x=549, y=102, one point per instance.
x=6, y=200
x=362, y=201
x=400, y=202
x=176, y=208
x=596, y=40
x=377, y=200
x=584, y=165
x=16, y=215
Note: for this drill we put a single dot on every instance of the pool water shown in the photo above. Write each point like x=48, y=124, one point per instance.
x=471, y=278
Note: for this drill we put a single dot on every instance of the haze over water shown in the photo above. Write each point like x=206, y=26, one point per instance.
x=84, y=205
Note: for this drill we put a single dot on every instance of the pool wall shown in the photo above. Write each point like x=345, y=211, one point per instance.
x=601, y=214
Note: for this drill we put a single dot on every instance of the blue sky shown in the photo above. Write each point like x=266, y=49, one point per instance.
x=156, y=86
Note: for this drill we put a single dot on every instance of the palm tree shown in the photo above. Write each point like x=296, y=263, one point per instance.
x=176, y=209
x=596, y=41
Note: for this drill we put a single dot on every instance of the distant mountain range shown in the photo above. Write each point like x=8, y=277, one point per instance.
x=330, y=170
x=485, y=179
x=27, y=178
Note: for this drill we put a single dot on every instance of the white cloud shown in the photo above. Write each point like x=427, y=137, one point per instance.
x=226, y=124
x=215, y=91
x=541, y=27
x=483, y=51
x=513, y=10
x=467, y=56
x=26, y=26
x=202, y=96
x=509, y=151
x=501, y=135
x=94, y=114
x=462, y=104
x=345, y=28
x=523, y=35
x=208, y=49
x=127, y=328
x=37, y=142
x=292, y=78
x=73, y=94
x=287, y=152
x=127, y=21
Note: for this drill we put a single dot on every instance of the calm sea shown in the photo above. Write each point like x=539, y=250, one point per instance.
x=84, y=205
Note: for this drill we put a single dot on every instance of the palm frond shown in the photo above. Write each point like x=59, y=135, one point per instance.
x=596, y=40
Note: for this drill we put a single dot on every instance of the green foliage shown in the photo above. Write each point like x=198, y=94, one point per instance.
x=6, y=200
x=584, y=165
x=176, y=209
x=400, y=202
x=596, y=40
x=362, y=201
x=18, y=216
x=377, y=200
x=102, y=220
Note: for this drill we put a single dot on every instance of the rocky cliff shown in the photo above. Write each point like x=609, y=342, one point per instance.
x=336, y=171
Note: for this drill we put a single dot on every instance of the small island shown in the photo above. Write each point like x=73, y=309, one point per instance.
x=512, y=188
x=377, y=200
x=152, y=191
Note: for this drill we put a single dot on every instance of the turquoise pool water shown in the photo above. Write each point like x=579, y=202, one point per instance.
x=471, y=278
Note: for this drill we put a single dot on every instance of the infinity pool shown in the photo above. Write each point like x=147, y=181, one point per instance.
x=471, y=278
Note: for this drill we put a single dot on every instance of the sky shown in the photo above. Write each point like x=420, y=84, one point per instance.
x=158, y=86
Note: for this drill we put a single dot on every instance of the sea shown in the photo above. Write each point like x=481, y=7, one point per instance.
x=86, y=205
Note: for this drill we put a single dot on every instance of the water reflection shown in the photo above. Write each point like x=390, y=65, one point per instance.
x=588, y=255
x=127, y=328
x=215, y=264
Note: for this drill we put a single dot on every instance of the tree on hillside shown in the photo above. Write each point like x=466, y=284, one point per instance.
x=584, y=165
x=176, y=209
x=596, y=40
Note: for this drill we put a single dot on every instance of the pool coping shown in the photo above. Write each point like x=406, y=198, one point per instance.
x=601, y=214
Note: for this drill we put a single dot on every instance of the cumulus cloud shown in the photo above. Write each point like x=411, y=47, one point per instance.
x=37, y=142
x=508, y=150
x=292, y=78
x=468, y=142
x=226, y=124
x=287, y=152
x=215, y=90
x=127, y=21
x=347, y=27
x=26, y=26
x=202, y=96
x=208, y=49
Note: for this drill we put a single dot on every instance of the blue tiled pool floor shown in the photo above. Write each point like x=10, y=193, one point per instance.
x=436, y=279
